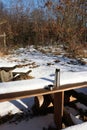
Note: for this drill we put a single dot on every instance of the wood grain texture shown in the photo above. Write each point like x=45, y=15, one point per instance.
x=37, y=92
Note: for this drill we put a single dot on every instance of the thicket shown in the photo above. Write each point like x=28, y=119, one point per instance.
x=45, y=22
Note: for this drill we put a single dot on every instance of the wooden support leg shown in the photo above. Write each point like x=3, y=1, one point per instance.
x=58, y=108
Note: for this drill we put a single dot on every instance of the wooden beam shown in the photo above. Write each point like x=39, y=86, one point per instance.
x=37, y=92
x=8, y=68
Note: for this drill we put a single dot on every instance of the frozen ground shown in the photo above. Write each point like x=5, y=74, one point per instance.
x=43, y=67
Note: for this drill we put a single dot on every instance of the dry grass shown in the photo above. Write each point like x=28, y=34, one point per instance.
x=1, y=54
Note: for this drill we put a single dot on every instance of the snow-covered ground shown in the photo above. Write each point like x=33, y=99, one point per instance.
x=43, y=70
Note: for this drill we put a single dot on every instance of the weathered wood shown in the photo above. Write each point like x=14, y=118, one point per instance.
x=5, y=76
x=18, y=74
x=42, y=102
x=37, y=92
x=6, y=73
x=8, y=68
x=22, y=73
x=39, y=100
x=58, y=108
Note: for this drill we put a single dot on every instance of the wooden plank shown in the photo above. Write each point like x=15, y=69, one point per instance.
x=8, y=68
x=67, y=87
x=37, y=92
x=58, y=109
x=24, y=94
x=22, y=73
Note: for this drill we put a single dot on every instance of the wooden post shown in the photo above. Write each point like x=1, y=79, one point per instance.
x=4, y=35
x=58, y=108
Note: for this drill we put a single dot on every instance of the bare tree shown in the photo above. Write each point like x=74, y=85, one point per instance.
x=46, y=21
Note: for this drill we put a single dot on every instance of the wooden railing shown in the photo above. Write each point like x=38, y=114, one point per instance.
x=58, y=97
x=37, y=92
